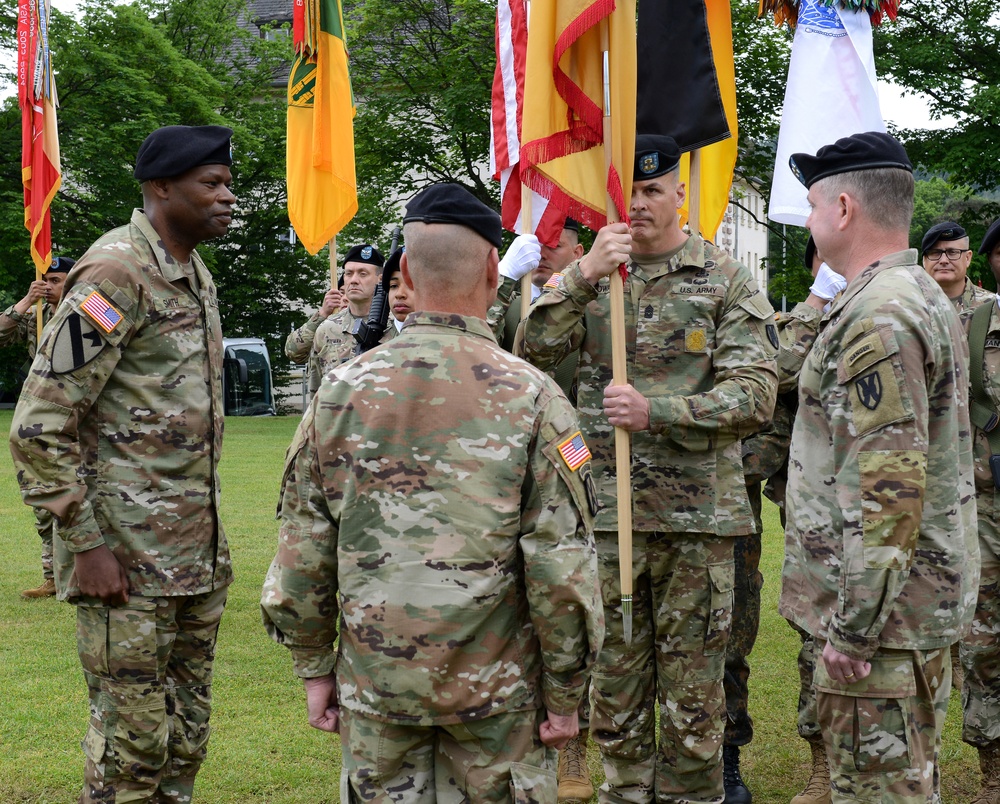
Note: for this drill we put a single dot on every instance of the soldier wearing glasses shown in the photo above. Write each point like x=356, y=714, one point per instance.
x=946, y=257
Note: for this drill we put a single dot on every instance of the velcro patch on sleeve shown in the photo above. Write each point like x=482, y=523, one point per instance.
x=554, y=281
x=574, y=451
x=101, y=312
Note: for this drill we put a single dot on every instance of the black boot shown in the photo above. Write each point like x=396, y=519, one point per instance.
x=736, y=790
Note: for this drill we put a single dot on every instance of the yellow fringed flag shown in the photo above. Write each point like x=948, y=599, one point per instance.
x=322, y=186
x=562, y=140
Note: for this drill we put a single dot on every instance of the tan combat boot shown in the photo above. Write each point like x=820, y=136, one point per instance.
x=818, y=787
x=989, y=763
x=574, y=776
x=47, y=589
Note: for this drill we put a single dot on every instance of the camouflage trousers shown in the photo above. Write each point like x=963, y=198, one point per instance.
x=979, y=653
x=746, y=623
x=883, y=732
x=808, y=720
x=44, y=523
x=148, y=666
x=682, y=611
x=497, y=759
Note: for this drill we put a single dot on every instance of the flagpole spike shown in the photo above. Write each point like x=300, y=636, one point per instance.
x=627, y=618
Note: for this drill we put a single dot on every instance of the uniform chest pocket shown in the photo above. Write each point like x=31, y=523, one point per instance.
x=679, y=322
x=870, y=372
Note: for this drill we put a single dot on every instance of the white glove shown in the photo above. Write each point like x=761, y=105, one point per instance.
x=828, y=283
x=523, y=256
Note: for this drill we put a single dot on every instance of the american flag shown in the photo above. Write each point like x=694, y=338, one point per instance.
x=103, y=314
x=505, y=141
x=554, y=281
x=574, y=451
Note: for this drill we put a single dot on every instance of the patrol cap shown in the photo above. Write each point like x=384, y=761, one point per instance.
x=172, y=150
x=810, y=253
x=364, y=253
x=61, y=265
x=452, y=203
x=655, y=155
x=867, y=151
x=391, y=267
x=946, y=230
x=991, y=238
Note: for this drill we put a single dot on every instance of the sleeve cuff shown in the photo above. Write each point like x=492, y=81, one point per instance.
x=856, y=646
x=313, y=662
x=562, y=698
x=664, y=413
x=82, y=536
x=576, y=287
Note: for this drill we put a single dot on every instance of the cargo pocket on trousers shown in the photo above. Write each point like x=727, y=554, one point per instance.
x=873, y=714
x=532, y=785
x=720, y=617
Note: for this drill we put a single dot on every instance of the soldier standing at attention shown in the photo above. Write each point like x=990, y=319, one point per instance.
x=980, y=647
x=117, y=434
x=452, y=554
x=947, y=257
x=702, y=376
x=881, y=557
x=325, y=340
x=17, y=325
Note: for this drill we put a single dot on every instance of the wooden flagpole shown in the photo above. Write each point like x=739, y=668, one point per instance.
x=38, y=313
x=333, y=262
x=526, y=228
x=694, y=192
x=619, y=373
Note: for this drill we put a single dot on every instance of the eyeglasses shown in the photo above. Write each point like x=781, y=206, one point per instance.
x=934, y=254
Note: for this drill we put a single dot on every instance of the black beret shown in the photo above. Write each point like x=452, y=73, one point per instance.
x=172, y=150
x=364, y=253
x=991, y=238
x=452, y=203
x=810, y=252
x=946, y=230
x=61, y=265
x=655, y=155
x=572, y=224
x=867, y=151
x=391, y=267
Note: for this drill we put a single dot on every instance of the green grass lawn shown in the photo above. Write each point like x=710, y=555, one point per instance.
x=262, y=749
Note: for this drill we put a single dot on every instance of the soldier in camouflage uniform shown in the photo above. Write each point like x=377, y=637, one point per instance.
x=117, y=434
x=980, y=648
x=398, y=296
x=881, y=559
x=797, y=332
x=701, y=345
x=451, y=552
x=17, y=325
x=325, y=340
x=947, y=257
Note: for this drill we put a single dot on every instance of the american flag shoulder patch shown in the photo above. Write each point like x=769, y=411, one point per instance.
x=554, y=281
x=100, y=312
x=574, y=451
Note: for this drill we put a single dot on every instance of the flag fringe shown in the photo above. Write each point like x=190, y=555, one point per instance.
x=788, y=10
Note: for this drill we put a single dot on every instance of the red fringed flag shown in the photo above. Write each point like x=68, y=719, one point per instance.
x=505, y=141
x=562, y=149
x=36, y=92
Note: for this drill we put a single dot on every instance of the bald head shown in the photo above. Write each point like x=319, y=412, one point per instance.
x=450, y=268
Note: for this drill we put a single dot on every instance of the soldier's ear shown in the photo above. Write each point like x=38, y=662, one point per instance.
x=404, y=272
x=493, y=270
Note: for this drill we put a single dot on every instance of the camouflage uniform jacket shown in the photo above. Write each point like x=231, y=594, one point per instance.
x=451, y=551
x=700, y=347
x=118, y=434
x=322, y=335
x=972, y=297
x=16, y=327
x=881, y=549
x=987, y=495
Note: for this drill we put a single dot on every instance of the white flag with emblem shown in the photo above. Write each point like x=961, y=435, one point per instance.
x=831, y=93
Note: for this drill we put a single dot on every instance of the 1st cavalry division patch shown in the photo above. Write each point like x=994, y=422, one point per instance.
x=76, y=343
